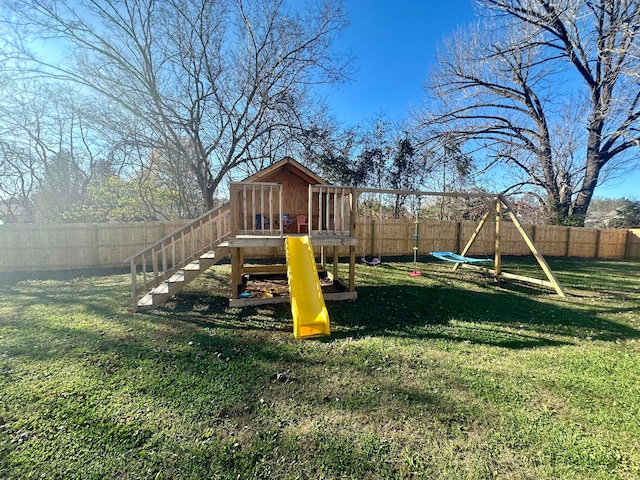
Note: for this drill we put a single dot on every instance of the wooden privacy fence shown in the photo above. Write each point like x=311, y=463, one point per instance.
x=71, y=246
x=396, y=237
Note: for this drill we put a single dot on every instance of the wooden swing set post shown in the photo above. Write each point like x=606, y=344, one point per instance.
x=502, y=205
x=497, y=264
x=553, y=281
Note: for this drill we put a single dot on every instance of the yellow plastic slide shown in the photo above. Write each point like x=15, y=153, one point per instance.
x=310, y=316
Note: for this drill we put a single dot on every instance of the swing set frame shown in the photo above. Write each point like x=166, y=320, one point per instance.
x=497, y=206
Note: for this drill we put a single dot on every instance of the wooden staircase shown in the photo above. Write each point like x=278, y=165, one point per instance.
x=166, y=267
x=157, y=296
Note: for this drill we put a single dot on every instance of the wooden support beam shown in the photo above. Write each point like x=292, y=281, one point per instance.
x=280, y=211
x=236, y=271
x=522, y=278
x=264, y=269
x=233, y=209
x=272, y=219
x=352, y=268
x=245, y=208
x=327, y=210
x=511, y=276
x=352, y=248
x=497, y=262
x=310, y=212
x=534, y=250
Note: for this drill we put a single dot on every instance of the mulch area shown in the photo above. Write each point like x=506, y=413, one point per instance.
x=277, y=285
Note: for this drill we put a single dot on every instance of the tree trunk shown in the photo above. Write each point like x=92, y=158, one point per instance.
x=593, y=166
x=558, y=210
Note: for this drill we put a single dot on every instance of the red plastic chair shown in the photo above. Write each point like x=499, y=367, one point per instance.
x=302, y=222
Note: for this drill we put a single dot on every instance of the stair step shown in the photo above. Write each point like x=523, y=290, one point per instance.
x=146, y=301
x=176, y=277
x=160, y=290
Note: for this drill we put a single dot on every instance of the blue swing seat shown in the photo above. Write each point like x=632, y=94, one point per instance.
x=455, y=258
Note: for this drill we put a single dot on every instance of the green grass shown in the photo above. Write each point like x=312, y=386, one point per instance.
x=441, y=376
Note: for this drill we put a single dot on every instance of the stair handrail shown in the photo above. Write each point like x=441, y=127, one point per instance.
x=180, y=251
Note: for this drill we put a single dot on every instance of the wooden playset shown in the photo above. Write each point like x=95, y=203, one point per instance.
x=288, y=200
x=285, y=199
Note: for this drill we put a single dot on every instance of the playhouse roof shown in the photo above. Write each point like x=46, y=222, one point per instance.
x=287, y=164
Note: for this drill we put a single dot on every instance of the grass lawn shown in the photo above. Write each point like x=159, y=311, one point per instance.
x=440, y=376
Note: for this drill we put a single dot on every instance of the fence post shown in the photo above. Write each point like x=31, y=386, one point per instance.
x=96, y=246
x=534, y=234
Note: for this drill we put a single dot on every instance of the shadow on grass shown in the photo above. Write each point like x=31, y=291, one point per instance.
x=100, y=295
x=12, y=278
x=498, y=317
x=213, y=311
x=493, y=317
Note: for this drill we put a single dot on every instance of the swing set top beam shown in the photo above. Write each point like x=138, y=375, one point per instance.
x=431, y=194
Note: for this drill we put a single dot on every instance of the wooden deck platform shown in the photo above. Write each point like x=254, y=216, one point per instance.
x=248, y=241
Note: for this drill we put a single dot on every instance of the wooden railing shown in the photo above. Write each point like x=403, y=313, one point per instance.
x=158, y=262
x=331, y=210
x=256, y=208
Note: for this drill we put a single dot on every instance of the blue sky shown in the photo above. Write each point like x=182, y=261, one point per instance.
x=394, y=44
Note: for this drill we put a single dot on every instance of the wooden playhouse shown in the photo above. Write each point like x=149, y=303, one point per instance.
x=285, y=199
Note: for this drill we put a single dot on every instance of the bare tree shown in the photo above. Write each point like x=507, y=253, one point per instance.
x=207, y=81
x=17, y=182
x=43, y=151
x=504, y=85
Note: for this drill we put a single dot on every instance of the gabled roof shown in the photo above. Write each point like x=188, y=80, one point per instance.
x=287, y=163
